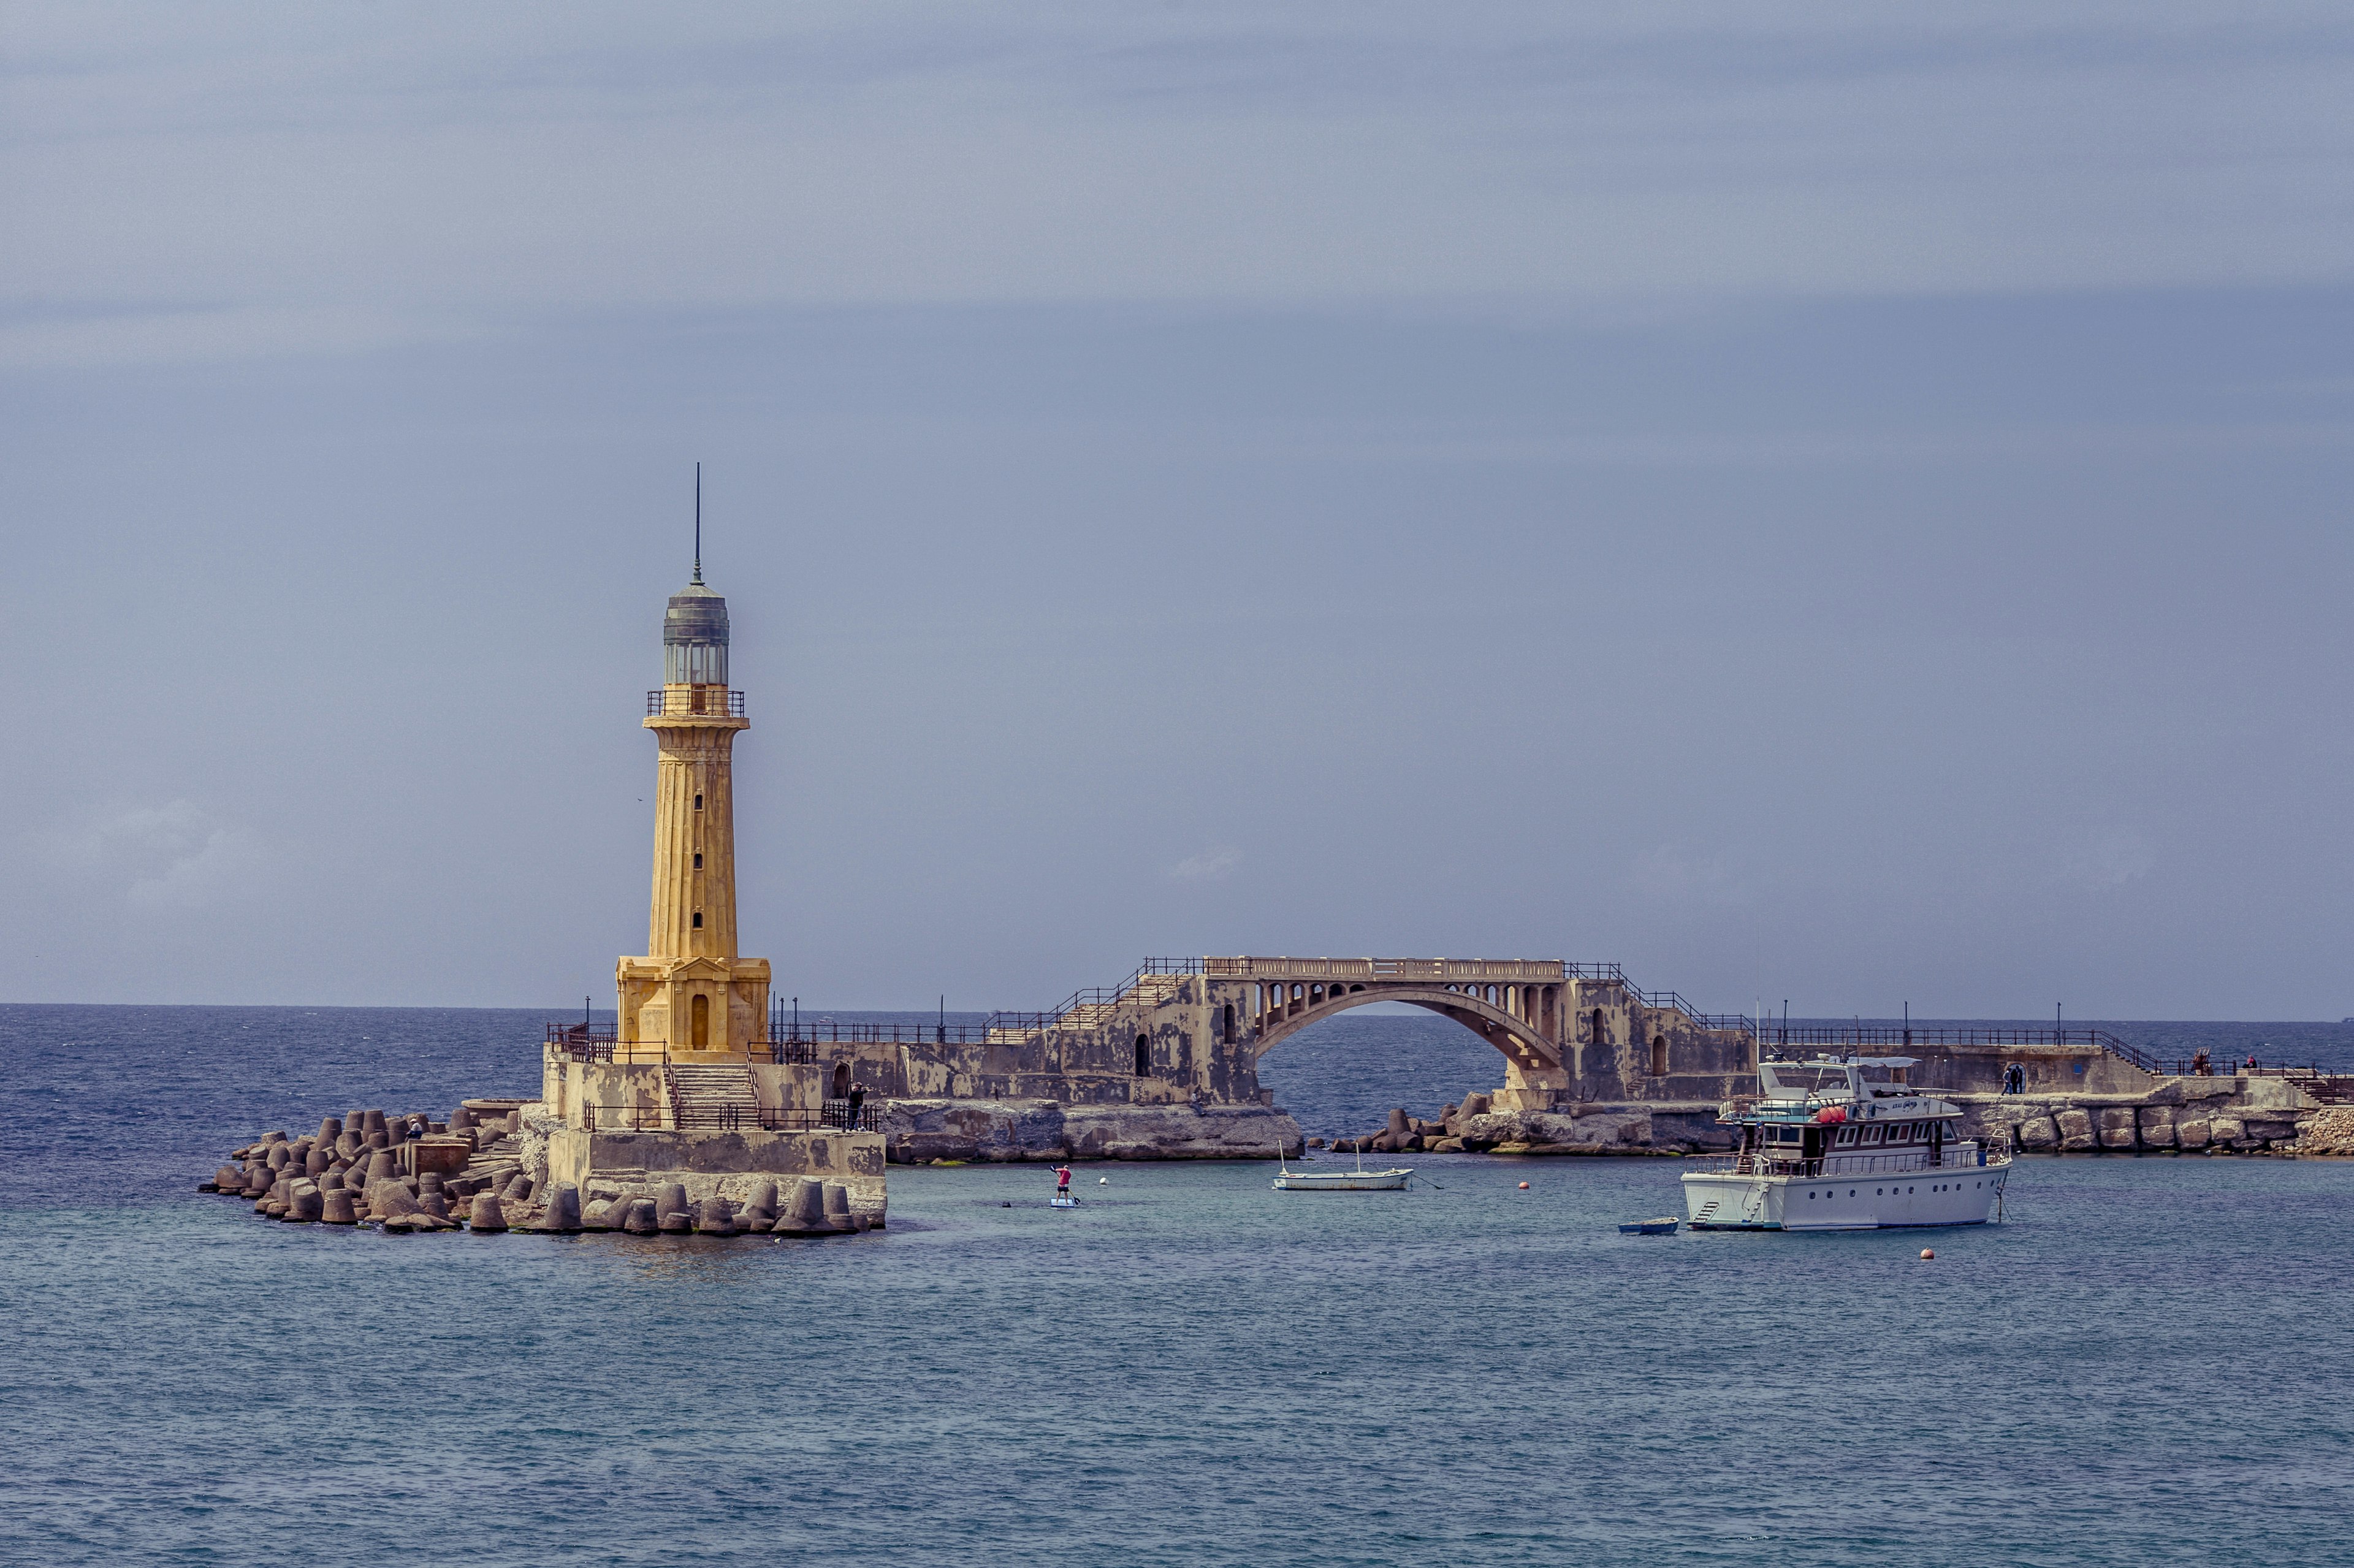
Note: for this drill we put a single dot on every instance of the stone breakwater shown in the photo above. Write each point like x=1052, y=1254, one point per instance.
x=1474, y=1126
x=485, y=1171
x=2237, y=1116
x=918, y=1131
x=2179, y=1116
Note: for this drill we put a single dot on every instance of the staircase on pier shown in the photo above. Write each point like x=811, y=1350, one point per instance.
x=712, y=1097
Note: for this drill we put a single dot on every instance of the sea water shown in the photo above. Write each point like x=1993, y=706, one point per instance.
x=2144, y=1363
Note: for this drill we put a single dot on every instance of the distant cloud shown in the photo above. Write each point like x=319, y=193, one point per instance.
x=1210, y=865
x=2110, y=859
x=1673, y=875
x=173, y=856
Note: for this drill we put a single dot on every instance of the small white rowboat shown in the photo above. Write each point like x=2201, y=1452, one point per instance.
x=1361, y=1180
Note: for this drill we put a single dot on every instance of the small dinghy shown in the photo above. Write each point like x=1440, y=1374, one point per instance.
x=1662, y=1227
x=1361, y=1180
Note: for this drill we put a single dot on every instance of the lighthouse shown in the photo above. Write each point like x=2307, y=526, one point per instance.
x=690, y=996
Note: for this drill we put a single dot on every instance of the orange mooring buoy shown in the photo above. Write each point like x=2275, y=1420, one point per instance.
x=1524, y=1186
x=1927, y=1253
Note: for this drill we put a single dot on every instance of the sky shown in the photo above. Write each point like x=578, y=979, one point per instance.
x=1843, y=503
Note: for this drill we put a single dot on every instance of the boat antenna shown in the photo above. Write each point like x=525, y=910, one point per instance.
x=698, y=522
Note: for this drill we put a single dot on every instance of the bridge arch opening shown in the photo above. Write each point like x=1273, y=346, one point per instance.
x=1497, y=1015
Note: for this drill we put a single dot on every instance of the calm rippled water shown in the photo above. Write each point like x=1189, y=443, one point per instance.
x=2145, y=1364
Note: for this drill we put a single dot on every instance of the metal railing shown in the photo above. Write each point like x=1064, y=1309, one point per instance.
x=1960, y=1156
x=1673, y=1002
x=813, y=1033
x=1503, y=970
x=693, y=701
x=582, y=1043
x=1901, y=1036
x=1100, y=997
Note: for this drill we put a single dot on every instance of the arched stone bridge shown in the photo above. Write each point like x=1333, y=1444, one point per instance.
x=1516, y=1005
x=1196, y=1029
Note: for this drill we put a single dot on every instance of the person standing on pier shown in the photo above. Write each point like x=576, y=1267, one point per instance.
x=857, y=1099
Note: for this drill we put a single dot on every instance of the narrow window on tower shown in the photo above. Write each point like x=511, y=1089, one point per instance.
x=698, y=803
x=698, y=859
x=698, y=919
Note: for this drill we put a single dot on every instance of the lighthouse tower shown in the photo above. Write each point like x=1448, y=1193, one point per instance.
x=690, y=996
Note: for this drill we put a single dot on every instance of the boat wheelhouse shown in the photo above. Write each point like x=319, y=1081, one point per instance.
x=1842, y=1143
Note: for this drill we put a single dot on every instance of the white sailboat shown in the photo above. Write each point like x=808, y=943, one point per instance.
x=1361, y=1180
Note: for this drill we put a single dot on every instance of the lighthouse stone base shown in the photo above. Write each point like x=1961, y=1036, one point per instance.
x=718, y=1164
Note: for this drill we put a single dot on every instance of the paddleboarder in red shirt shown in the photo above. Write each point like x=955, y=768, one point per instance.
x=1062, y=1180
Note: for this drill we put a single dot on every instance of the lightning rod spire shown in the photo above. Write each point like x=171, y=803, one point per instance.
x=698, y=521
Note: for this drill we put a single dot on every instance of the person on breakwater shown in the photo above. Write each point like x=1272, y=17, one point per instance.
x=857, y=1099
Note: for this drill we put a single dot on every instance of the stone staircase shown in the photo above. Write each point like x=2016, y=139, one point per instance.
x=494, y=1164
x=715, y=1097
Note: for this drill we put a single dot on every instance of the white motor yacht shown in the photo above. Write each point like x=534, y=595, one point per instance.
x=1842, y=1143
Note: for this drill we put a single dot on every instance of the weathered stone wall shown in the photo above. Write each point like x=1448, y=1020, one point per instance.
x=727, y=1164
x=2178, y=1115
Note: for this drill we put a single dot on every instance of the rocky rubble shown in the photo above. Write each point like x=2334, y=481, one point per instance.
x=350, y=1173
x=918, y=1131
x=1475, y=1127
x=2327, y=1132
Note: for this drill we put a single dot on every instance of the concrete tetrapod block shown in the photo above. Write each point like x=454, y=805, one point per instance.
x=715, y=1217
x=390, y=1200
x=486, y=1216
x=761, y=1211
x=563, y=1214
x=228, y=1179
x=316, y=1161
x=605, y=1214
x=305, y=1205
x=330, y=1129
x=671, y=1199
x=257, y=1184
x=280, y=1153
x=837, y=1208
x=519, y=1190
x=640, y=1221
x=336, y=1207
x=804, y=1212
